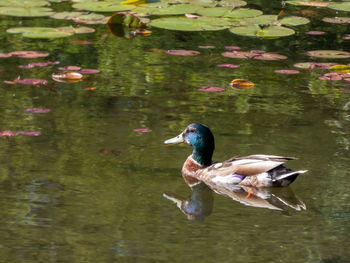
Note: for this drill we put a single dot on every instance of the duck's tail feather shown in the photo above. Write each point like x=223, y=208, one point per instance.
x=287, y=178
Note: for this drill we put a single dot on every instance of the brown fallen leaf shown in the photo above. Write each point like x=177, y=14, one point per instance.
x=241, y=84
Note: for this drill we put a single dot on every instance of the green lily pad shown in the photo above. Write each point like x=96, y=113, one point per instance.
x=188, y=24
x=229, y=12
x=23, y=3
x=344, y=6
x=39, y=32
x=66, y=15
x=233, y=3
x=77, y=30
x=167, y=9
x=294, y=21
x=25, y=11
x=267, y=32
x=308, y=3
x=260, y=20
x=328, y=54
x=337, y=20
x=91, y=19
x=103, y=6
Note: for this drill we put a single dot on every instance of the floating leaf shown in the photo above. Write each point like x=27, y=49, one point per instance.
x=28, y=54
x=340, y=68
x=37, y=110
x=337, y=20
x=268, y=32
x=314, y=65
x=25, y=11
x=229, y=12
x=328, y=54
x=39, y=64
x=89, y=71
x=91, y=19
x=23, y=3
x=188, y=24
x=69, y=68
x=165, y=9
x=92, y=88
x=342, y=6
x=294, y=21
x=228, y=66
x=32, y=81
x=5, y=134
x=259, y=20
x=232, y=3
x=308, y=3
x=142, y=130
x=241, y=84
x=77, y=30
x=38, y=32
x=81, y=42
x=211, y=89
x=66, y=15
x=206, y=47
x=287, y=71
x=315, y=33
x=254, y=55
x=5, y=55
x=102, y=6
x=232, y=48
x=29, y=133
x=67, y=76
x=182, y=52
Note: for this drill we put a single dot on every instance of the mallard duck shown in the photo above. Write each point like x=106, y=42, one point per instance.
x=258, y=170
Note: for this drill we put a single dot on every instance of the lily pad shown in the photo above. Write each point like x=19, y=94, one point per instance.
x=167, y=9
x=287, y=71
x=314, y=65
x=254, y=55
x=182, y=52
x=328, y=54
x=39, y=64
x=294, y=21
x=268, y=32
x=260, y=20
x=229, y=12
x=315, y=33
x=37, y=110
x=308, y=3
x=39, y=32
x=91, y=19
x=128, y=19
x=28, y=54
x=66, y=15
x=102, y=6
x=76, y=30
x=233, y=3
x=188, y=24
x=211, y=89
x=337, y=20
x=343, y=6
x=23, y=3
x=228, y=66
x=25, y=11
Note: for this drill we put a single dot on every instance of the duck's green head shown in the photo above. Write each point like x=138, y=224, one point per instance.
x=200, y=138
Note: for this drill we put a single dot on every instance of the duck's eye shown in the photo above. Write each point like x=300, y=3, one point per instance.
x=192, y=130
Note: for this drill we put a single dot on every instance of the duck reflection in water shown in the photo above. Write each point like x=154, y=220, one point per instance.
x=200, y=204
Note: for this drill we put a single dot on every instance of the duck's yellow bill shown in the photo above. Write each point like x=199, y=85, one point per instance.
x=177, y=139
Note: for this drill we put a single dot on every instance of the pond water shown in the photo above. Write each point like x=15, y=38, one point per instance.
x=91, y=188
